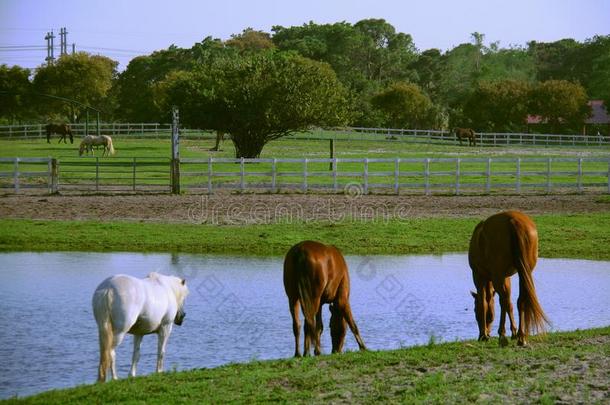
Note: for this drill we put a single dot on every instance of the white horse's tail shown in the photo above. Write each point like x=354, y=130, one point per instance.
x=110, y=147
x=102, y=310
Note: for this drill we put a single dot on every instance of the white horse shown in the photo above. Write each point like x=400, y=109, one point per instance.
x=90, y=141
x=124, y=304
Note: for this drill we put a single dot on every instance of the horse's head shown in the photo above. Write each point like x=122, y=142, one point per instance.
x=181, y=291
x=484, y=324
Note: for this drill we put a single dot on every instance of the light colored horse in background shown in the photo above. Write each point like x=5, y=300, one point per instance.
x=90, y=141
x=124, y=304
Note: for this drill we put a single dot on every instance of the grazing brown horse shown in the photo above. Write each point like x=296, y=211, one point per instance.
x=502, y=245
x=316, y=274
x=466, y=133
x=61, y=129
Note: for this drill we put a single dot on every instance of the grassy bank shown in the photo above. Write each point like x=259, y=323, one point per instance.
x=584, y=236
x=562, y=367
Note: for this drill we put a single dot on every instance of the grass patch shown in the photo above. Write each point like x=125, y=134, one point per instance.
x=561, y=367
x=583, y=236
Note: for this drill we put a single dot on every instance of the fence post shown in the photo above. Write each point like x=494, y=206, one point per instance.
x=366, y=176
x=397, y=175
x=488, y=173
x=335, y=185
x=16, y=174
x=54, y=176
x=273, y=175
x=608, y=176
x=97, y=173
x=134, y=174
x=548, y=175
x=579, y=179
x=427, y=176
x=209, y=175
x=332, y=153
x=457, y=176
x=518, y=177
x=304, y=186
x=242, y=175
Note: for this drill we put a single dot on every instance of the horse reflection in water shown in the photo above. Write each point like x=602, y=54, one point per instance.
x=124, y=304
x=316, y=274
x=502, y=245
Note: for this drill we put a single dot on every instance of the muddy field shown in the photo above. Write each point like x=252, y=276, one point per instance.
x=243, y=209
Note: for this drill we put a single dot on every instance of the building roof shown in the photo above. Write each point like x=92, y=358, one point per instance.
x=599, y=115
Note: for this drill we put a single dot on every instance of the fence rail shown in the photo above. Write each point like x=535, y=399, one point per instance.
x=352, y=176
x=155, y=130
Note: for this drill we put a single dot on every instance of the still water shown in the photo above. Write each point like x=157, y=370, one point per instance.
x=237, y=310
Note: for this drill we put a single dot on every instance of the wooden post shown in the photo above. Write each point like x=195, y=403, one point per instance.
x=54, y=176
x=209, y=175
x=579, y=180
x=273, y=175
x=304, y=186
x=97, y=173
x=488, y=173
x=397, y=175
x=332, y=154
x=335, y=184
x=16, y=174
x=548, y=175
x=242, y=174
x=366, y=176
x=457, y=176
x=175, y=165
x=427, y=176
x=134, y=174
x=518, y=179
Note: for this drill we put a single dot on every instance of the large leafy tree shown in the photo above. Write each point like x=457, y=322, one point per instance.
x=258, y=98
x=405, y=106
x=15, y=86
x=251, y=40
x=498, y=106
x=562, y=103
x=81, y=77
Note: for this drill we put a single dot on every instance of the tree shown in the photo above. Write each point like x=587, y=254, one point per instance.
x=498, y=106
x=560, y=102
x=81, y=77
x=14, y=105
x=404, y=105
x=259, y=98
x=251, y=41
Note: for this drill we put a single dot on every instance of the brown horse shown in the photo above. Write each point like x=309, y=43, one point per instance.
x=502, y=245
x=61, y=129
x=466, y=133
x=316, y=274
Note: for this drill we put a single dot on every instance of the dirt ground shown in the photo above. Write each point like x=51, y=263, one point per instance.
x=250, y=208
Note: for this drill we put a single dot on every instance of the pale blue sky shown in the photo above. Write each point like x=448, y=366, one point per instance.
x=128, y=28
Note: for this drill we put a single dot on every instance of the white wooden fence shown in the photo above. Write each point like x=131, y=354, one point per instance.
x=400, y=175
x=352, y=176
x=155, y=130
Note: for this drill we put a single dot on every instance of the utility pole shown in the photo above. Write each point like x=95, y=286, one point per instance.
x=73, y=48
x=50, y=58
x=63, y=33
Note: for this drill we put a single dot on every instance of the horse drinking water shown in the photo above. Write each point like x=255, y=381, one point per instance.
x=61, y=129
x=502, y=245
x=316, y=274
x=90, y=141
x=124, y=304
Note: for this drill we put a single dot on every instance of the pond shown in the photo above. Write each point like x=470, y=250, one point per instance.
x=237, y=310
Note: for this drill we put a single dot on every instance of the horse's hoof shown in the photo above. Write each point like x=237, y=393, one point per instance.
x=522, y=343
x=503, y=341
x=483, y=338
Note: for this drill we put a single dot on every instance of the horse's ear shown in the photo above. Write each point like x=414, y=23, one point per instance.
x=474, y=294
x=183, y=281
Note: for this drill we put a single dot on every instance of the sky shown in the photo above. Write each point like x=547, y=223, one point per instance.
x=123, y=29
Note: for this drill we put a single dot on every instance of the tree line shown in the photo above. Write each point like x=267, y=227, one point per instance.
x=265, y=85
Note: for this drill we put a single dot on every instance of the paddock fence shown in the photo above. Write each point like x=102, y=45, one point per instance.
x=484, y=139
x=351, y=176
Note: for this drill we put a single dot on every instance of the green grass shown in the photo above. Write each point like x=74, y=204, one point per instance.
x=153, y=166
x=564, y=367
x=582, y=236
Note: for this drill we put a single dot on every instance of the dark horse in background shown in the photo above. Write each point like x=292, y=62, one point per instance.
x=316, y=274
x=502, y=245
x=61, y=129
x=466, y=133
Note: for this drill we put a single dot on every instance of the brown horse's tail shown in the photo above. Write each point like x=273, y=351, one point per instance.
x=525, y=250
x=304, y=287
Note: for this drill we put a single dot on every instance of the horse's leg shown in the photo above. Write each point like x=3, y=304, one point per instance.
x=522, y=333
x=163, y=334
x=296, y=324
x=118, y=338
x=503, y=289
x=338, y=327
x=137, y=340
x=344, y=308
x=319, y=328
x=489, y=316
x=482, y=309
x=310, y=324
